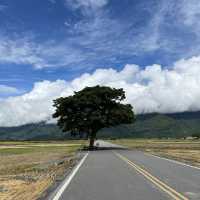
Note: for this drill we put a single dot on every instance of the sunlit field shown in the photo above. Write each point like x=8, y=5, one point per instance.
x=27, y=169
x=183, y=150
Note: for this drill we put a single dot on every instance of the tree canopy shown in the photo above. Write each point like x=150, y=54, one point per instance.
x=92, y=109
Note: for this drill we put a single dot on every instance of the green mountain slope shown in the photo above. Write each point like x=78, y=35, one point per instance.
x=175, y=125
x=158, y=126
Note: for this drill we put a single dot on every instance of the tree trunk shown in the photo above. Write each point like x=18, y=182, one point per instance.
x=92, y=139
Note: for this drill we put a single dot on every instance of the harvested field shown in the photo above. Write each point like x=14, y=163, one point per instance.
x=28, y=169
x=187, y=151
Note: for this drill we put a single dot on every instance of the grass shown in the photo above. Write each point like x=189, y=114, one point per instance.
x=27, y=169
x=187, y=151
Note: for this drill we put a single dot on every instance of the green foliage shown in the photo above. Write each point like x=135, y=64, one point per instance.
x=92, y=109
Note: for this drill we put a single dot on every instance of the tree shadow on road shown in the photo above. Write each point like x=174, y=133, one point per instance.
x=86, y=148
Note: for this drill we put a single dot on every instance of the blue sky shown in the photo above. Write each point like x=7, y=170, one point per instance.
x=51, y=48
x=61, y=39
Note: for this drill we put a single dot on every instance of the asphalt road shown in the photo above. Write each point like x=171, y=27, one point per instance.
x=120, y=174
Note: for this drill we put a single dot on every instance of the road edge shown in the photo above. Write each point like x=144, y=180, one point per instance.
x=65, y=183
x=173, y=161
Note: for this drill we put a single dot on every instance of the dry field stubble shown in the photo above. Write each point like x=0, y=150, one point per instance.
x=187, y=151
x=28, y=169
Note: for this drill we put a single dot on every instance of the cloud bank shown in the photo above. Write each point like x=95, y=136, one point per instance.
x=152, y=89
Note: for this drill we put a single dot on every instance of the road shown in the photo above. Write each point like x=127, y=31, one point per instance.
x=121, y=174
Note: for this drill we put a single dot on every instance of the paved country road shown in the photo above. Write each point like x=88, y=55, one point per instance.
x=120, y=174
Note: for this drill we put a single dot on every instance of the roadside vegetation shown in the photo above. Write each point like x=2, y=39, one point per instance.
x=27, y=169
x=187, y=151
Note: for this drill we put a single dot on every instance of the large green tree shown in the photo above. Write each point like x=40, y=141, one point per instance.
x=92, y=109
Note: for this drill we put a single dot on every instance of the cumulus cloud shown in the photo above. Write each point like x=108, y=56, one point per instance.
x=32, y=107
x=152, y=89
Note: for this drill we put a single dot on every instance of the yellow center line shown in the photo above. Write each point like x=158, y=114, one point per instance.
x=170, y=191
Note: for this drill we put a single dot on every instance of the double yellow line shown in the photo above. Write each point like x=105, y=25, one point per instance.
x=164, y=187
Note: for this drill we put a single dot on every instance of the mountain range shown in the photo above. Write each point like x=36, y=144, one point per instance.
x=176, y=125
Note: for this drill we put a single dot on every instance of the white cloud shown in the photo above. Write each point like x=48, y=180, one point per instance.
x=86, y=4
x=25, y=51
x=153, y=89
x=191, y=12
x=34, y=106
x=88, y=8
x=20, y=51
x=7, y=90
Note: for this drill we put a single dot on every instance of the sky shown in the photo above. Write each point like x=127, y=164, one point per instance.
x=51, y=48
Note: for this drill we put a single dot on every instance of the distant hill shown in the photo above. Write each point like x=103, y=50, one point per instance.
x=39, y=131
x=175, y=125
